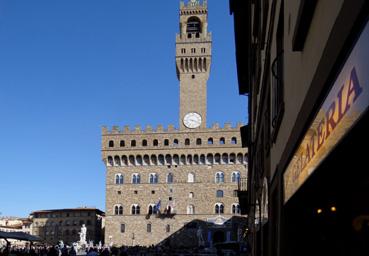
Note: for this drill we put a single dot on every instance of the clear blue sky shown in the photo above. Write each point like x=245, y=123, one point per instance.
x=68, y=67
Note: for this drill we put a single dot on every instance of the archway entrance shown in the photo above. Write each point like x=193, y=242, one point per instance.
x=218, y=237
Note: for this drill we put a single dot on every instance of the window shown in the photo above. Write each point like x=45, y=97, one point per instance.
x=235, y=194
x=190, y=209
x=219, y=177
x=236, y=209
x=167, y=228
x=135, y=209
x=183, y=50
x=190, y=195
x=170, y=178
x=210, y=141
x=148, y=228
x=193, y=25
x=119, y=192
x=133, y=143
x=155, y=143
x=222, y=141
x=193, y=76
x=166, y=142
x=144, y=143
x=203, y=50
x=198, y=141
x=122, y=143
x=119, y=179
x=219, y=208
x=153, y=178
x=122, y=228
x=136, y=179
x=236, y=177
x=219, y=193
x=191, y=177
x=187, y=142
x=136, y=192
x=118, y=209
x=152, y=209
x=234, y=140
x=175, y=142
x=193, y=50
x=152, y=192
x=111, y=144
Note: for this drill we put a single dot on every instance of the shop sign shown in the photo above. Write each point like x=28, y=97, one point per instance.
x=345, y=103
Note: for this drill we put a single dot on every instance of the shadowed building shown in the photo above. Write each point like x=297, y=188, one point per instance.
x=158, y=180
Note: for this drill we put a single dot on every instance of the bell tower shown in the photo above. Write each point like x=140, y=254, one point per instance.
x=193, y=59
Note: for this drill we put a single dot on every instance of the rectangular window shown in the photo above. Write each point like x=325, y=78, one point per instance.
x=122, y=228
x=148, y=228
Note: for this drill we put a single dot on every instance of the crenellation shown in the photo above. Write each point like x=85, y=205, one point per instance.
x=171, y=128
x=127, y=129
x=148, y=129
x=138, y=129
x=115, y=129
x=159, y=128
x=215, y=126
x=227, y=126
x=104, y=130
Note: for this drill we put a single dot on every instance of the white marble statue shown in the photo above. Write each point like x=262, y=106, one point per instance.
x=82, y=235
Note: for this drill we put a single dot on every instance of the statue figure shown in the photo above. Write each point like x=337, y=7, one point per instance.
x=200, y=238
x=82, y=234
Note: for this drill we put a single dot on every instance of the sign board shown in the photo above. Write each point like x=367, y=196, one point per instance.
x=345, y=103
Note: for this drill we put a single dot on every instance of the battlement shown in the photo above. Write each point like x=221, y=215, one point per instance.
x=193, y=4
x=169, y=129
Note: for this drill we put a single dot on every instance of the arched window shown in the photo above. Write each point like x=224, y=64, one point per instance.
x=219, y=193
x=193, y=25
x=111, y=143
x=153, y=178
x=136, y=179
x=219, y=208
x=190, y=195
x=155, y=143
x=110, y=161
x=148, y=228
x=116, y=161
x=152, y=209
x=236, y=209
x=219, y=177
x=166, y=142
x=210, y=141
x=133, y=143
x=170, y=178
x=191, y=178
x=236, y=177
x=222, y=141
x=175, y=142
x=135, y=209
x=190, y=209
x=122, y=228
x=118, y=209
x=198, y=141
x=122, y=143
x=144, y=143
x=187, y=142
x=234, y=140
x=119, y=179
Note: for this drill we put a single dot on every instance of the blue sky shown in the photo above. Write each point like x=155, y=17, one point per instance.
x=68, y=67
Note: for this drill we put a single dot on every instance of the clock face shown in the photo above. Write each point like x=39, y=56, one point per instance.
x=192, y=120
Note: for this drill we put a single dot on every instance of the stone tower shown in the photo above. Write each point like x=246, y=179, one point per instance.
x=193, y=58
x=171, y=186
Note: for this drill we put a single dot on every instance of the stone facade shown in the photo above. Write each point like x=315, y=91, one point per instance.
x=192, y=173
x=65, y=224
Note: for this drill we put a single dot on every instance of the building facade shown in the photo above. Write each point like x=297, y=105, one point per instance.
x=177, y=185
x=65, y=224
x=304, y=66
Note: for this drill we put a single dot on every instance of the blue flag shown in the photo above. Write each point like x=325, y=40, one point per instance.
x=158, y=205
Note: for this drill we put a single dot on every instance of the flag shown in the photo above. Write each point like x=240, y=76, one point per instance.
x=158, y=205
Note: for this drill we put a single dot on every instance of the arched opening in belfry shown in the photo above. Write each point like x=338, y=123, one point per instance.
x=193, y=25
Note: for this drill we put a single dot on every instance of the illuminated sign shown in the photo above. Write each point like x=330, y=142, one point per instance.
x=345, y=103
